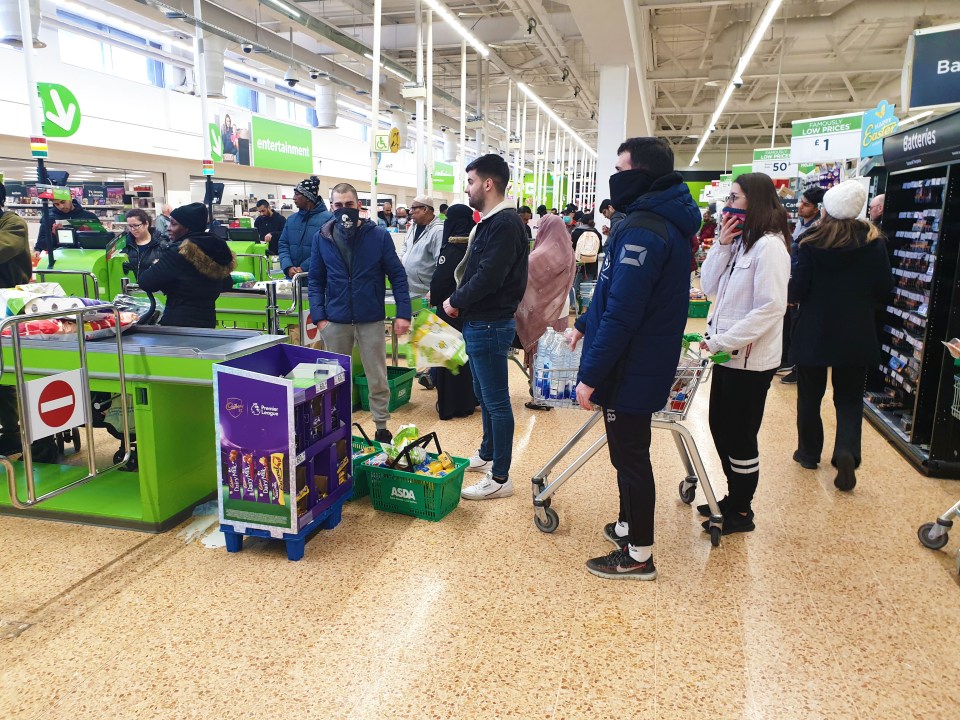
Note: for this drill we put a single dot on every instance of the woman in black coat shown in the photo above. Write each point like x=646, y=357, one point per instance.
x=455, y=396
x=842, y=275
x=191, y=271
x=143, y=242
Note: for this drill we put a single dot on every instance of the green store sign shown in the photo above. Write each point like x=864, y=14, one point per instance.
x=61, y=110
x=279, y=146
x=443, y=177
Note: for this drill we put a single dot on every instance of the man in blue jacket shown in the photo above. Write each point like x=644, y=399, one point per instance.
x=347, y=283
x=632, y=336
x=297, y=236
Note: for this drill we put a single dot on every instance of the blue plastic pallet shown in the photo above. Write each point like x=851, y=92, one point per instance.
x=327, y=520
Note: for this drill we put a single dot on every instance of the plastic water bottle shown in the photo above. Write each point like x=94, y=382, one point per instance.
x=545, y=361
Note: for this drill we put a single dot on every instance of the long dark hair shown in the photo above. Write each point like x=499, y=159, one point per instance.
x=765, y=212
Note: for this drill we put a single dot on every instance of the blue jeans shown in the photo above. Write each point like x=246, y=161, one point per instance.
x=488, y=345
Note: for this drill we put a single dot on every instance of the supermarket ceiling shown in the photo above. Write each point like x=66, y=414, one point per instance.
x=819, y=57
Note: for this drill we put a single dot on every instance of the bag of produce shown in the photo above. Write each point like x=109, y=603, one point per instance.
x=437, y=343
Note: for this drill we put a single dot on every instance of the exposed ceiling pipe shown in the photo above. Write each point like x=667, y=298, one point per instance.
x=639, y=64
x=726, y=46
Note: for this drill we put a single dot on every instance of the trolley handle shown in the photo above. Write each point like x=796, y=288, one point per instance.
x=421, y=441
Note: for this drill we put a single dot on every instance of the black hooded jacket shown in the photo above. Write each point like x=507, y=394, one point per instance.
x=838, y=292
x=140, y=257
x=46, y=240
x=191, y=272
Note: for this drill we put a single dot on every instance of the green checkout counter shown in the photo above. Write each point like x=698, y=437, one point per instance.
x=169, y=377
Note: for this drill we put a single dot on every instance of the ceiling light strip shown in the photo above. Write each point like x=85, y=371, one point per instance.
x=554, y=117
x=448, y=17
x=737, y=79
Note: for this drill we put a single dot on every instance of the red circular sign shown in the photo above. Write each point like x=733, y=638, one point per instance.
x=56, y=403
x=311, y=329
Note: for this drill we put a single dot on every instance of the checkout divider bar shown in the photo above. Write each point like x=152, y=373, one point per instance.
x=296, y=307
x=84, y=274
x=92, y=471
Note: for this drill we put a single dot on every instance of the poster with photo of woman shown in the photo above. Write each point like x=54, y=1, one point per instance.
x=234, y=124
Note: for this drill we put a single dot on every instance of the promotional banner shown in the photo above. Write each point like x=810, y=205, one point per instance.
x=280, y=146
x=828, y=138
x=230, y=135
x=442, y=177
x=877, y=124
x=774, y=162
x=935, y=71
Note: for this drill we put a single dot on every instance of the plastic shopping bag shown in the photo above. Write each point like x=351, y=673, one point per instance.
x=437, y=344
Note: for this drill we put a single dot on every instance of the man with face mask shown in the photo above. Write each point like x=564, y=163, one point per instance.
x=352, y=258
x=632, y=336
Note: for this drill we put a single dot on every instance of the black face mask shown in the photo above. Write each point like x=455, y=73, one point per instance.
x=627, y=186
x=345, y=220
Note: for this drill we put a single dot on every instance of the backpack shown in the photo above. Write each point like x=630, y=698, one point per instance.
x=588, y=246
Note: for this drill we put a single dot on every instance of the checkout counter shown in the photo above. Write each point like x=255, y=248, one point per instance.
x=169, y=379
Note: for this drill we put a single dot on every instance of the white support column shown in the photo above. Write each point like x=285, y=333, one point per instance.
x=462, y=153
x=536, y=163
x=523, y=146
x=428, y=166
x=420, y=162
x=374, y=106
x=33, y=98
x=612, y=128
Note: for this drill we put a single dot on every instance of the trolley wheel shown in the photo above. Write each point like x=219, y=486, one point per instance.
x=118, y=455
x=550, y=524
x=715, y=536
x=928, y=540
x=687, y=494
x=59, y=442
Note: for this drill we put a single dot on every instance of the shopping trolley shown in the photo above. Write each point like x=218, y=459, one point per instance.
x=556, y=387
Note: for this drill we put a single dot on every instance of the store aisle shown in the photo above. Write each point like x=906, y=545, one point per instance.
x=831, y=609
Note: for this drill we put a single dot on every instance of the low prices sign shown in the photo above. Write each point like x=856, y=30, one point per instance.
x=55, y=404
x=774, y=162
x=828, y=138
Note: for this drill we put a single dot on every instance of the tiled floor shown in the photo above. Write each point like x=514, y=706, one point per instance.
x=831, y=609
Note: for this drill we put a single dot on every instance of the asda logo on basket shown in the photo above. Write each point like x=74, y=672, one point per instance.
x=403, y=494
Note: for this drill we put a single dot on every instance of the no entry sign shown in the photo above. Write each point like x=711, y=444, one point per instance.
x=55, y=404
x=311, y=328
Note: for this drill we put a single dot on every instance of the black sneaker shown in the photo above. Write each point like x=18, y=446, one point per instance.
x=804, y=463
x=705, y=509
x=10, y=444
x=383, y=436
x=733, y=522
x=425, y=382
x=45, y=451
x=618, y=565
x=790, y=378
x=610, y=533
x=846, y=478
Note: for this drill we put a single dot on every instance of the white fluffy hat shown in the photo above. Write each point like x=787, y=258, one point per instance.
x=846, y=200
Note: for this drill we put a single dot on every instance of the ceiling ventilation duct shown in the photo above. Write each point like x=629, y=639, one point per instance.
x=10, y=23
x=213, y=48
x=326, y=105
x=449, y=146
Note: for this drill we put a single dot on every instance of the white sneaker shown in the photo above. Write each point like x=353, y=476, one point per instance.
x=488, y=489
x=478, y=464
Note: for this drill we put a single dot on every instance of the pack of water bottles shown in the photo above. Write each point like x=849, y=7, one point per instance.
x=555, y=370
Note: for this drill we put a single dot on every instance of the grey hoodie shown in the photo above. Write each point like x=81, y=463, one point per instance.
x=420, y=257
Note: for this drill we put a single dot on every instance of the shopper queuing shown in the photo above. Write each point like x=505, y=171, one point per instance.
x=421, y=249
x=747, y=272
x=632, y=336
x=163, y=220
x=269, y=225
x=347, y=287
x=455, y=396
x=60, y=212
x=142, y=242
x=611, y=214
x=491, y=282
x=192, y=270
x=841, y=276
x=296, y=240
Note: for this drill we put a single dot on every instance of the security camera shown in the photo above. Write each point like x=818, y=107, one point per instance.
x=738, y=83
x=531, y=26
x=314, y=74
x=246, y=47
x=290, y=77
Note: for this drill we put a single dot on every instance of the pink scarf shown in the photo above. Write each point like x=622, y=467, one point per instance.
x=550, y=273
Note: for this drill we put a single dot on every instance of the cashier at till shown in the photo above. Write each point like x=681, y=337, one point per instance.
x=191, y=271
x=61, y=210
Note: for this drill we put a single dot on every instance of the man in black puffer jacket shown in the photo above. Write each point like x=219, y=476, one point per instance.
x=192, y=271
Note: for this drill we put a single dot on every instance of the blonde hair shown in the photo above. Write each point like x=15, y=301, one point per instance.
x=832, y=234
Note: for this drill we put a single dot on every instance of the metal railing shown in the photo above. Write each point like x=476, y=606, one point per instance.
x=262, y=261
x=296, y=306
x=41, y=274
x=20, y=384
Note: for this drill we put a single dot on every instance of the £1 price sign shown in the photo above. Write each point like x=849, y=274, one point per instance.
x=828, y=138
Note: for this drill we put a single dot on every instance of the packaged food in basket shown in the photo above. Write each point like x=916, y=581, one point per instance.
x=697, y=294
x=437, y=344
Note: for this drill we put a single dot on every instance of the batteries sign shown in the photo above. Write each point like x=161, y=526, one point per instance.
x=828, y=138
x=775, y=162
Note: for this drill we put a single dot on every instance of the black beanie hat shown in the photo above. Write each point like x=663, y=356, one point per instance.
x=192, y=216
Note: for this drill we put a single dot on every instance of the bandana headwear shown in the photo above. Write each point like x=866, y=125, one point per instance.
x=309, y=188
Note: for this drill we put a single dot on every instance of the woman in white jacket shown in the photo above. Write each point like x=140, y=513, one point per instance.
x=746, y=272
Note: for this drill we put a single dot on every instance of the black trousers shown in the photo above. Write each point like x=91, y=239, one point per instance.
x=737, y=401
x=848, y=386
x=9, y=418
x=628, y=437
x=788, y=320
